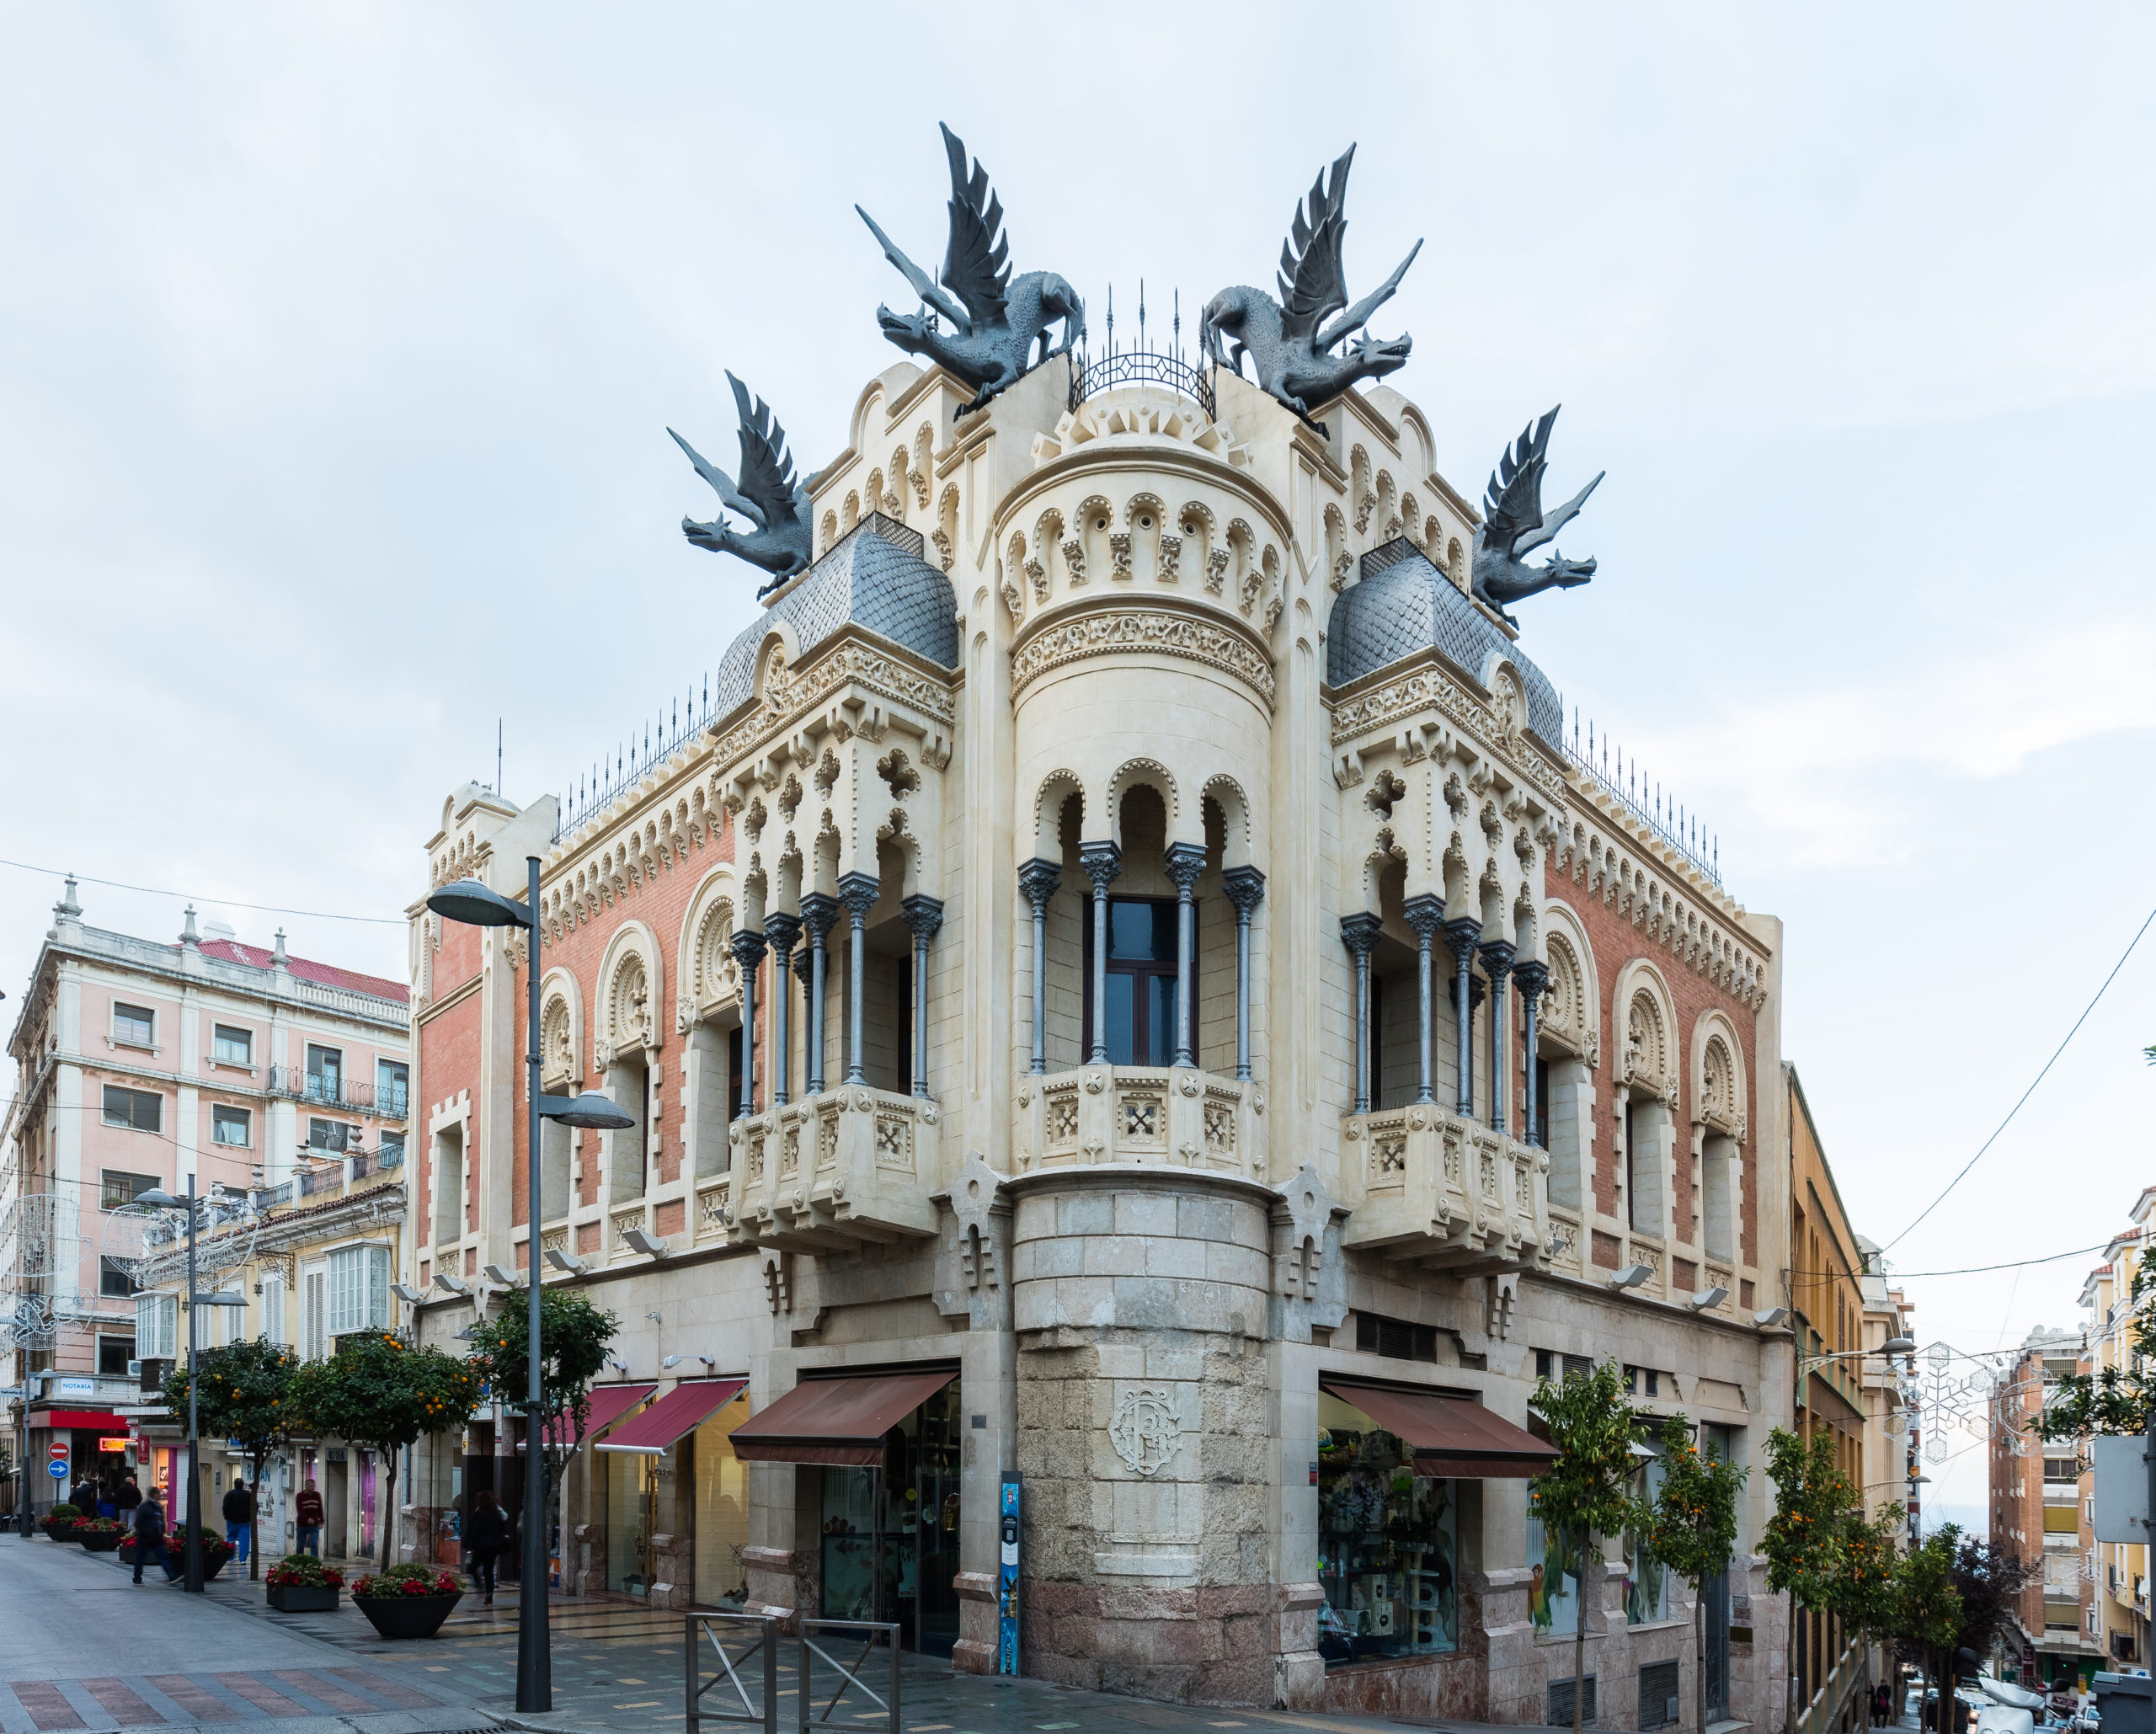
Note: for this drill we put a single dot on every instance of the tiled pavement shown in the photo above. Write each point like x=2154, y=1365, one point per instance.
x=617, y=1667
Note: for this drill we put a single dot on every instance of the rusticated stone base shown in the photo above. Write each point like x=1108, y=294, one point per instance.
x=1188, y=1646
x=1449, y=1688
x=782, y=1583
x=673, y=1569
x=981, y=1631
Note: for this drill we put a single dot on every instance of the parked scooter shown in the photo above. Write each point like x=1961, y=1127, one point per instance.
x=2012, y=1709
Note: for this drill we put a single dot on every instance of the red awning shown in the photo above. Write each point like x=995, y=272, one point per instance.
x=838, y=1421
x=102, y=1421
x=1448, y=1435
x=680, y=1412
x=609, y=1404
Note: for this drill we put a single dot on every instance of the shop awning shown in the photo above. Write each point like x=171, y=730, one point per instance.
x=837, y=1420
x=1449, y=1435
x=680, y=1412
x=609, y=1404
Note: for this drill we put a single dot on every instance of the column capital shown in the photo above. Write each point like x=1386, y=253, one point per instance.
x=1039, y=880
x=804, y=965
x=1102, y=862
x=858, y=892
x=1497, y=957
x=1424, y=913
x=783, y=931
x=1463, y=935
x=1184, y=862
x=923, y=915
x=1245, y=886
x=1531, y=977
x=819, y=913
x=748, y=946
x=1359, y=931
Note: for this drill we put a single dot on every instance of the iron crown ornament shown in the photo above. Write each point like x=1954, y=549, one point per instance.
x=769, y=498
x=1512, y=523
x=1288, y=339
x=994, y=320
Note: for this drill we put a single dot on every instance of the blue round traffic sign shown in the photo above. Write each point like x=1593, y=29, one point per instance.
x=58, y=1472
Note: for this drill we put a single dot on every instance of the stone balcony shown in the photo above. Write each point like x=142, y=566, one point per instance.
x=1176, y=1116
x=1428, y=1187
x=831, y=1172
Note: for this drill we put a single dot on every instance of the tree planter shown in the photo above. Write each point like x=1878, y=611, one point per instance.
x=213, y=1558
x=97, y=1542
x=303, y=1599
x=407, y=1616
x=60, y=1529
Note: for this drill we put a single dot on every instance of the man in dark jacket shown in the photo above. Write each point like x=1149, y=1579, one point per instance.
x=239, y=1517
x=149, y=1536
x=306, y=1513
x=127, y=1500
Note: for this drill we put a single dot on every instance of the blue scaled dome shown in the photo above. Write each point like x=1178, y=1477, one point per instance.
x=875, y=578
x=1403, y=605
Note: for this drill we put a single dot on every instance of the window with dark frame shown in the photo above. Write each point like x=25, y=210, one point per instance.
x=234, y=1046
x=328, y=1135
x=114, y=1353
x=116, y=1188
x=228, y=1125
x=1141, y=979
x=325, y=1071
x=1401, y=1338
x=138, y=1110
x=135, y=1024
x=113, y=1283
x=392, y=1080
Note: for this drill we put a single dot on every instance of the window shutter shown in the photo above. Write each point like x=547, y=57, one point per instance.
x=273, y=1309
x=316, y=1345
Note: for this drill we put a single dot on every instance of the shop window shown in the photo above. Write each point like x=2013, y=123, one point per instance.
x=393, y=1083
x=722, y=1507
x=234, y=1046
x=114, y=1353
x=1399, y=1338
x=891, y=1541
x=117, y=1188
x=1553, y=1577
x=135, y=1024
x=1647, y=1579
x=138, y=1110
x=228, y=1125
x=1388, y=1544
x=113, y=1283
x=1141, y=979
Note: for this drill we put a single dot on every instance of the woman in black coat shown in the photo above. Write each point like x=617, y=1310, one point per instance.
x=486, y=1533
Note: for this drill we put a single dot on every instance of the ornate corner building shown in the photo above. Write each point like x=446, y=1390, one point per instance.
x=1123, y=985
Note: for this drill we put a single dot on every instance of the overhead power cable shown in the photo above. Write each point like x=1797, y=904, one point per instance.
x=266, y=909
x=2030, y=1091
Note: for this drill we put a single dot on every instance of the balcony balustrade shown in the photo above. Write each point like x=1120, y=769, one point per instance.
x=333, y=1090
x=836, y=1170
x=1449, y=1193
x=1174, y=1115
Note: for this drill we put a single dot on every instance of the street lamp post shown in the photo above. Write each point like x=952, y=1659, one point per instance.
x=474, y=904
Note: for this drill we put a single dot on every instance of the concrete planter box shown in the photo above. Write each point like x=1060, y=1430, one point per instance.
x=303, y=1598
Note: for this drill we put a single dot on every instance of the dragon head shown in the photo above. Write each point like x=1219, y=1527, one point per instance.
x=909, y=331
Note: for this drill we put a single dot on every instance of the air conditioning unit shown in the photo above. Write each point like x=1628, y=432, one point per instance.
x=134, y=1369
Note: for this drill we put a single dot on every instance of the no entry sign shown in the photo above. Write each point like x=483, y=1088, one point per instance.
x=58, y=1453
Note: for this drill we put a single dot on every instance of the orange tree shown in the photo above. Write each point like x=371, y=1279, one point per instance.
x=245, y=1394
x=1806, y=1537
x=1690, y=1526
x=380, y=1392
x=573, y=1337
x=1588, y=1492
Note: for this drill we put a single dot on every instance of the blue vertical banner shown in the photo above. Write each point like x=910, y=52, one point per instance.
x=1006, y=1596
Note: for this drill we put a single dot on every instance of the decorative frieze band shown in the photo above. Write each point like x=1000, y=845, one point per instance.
x=1431, y=689
x=1216, y=644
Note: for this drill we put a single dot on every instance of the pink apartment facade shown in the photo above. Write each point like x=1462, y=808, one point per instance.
x=139, y=1064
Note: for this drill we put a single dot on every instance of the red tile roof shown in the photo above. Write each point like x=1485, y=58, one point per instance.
x=231, y=951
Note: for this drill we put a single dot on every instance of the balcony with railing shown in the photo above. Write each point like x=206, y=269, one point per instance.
x=333, y=1090
x=1176, y=1116
x=841, y=1169
x=1426, y=1183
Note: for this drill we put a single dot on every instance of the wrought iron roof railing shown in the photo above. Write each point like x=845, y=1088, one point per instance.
x=1645, y=801
x=1127, y=367
x=673, y=727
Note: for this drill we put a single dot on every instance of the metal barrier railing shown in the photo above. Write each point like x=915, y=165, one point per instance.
x=760, y=1657
x=872, y=1633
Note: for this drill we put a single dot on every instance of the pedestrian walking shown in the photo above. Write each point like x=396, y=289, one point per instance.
x=486, y=1533
x=239, y=1517
x=306, y=1511
x=149, y=1524
x=127, y=1500
x=83, y=1496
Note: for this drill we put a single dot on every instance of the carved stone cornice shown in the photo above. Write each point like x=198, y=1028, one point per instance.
x=1377, y=708
x=1163, y=625
x=854, y=658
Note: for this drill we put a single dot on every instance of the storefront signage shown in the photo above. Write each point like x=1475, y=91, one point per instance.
x=78, y=1387
x=1006, y=1599
x=112, y=1444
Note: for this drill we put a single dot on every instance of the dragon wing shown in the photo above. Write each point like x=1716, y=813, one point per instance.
x=1512, y=507
x=923, y=285
x=767, y=466
x=1312, y=288
x=1357, y=316
x=722, y=483
x=976, y=266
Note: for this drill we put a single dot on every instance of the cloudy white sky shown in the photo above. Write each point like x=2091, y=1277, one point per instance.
x=338, y=345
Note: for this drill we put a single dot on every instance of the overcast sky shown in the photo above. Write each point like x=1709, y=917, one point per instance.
x=338, y=346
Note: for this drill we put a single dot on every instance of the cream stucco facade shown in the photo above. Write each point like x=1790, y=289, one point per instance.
x=1209, y=684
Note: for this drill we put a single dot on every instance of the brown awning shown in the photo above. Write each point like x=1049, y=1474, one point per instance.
x=839, y=1421
x=1449, y=1435
x=609, y=1403
x=680, y=1412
